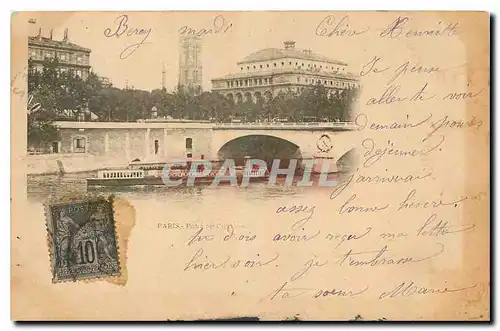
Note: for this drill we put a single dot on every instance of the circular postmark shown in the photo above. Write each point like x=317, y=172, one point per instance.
x=324, y=143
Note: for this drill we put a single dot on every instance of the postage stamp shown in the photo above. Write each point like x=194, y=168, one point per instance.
x=82, y=239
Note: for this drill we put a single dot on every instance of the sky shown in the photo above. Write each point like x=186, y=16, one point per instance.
x=240, y=34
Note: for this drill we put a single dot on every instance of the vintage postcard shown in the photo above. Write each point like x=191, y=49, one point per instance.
x=265, y=165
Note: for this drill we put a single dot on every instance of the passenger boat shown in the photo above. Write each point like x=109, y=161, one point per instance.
x=151, y=173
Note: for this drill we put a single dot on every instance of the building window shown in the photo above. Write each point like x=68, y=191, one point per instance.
x=268, y=65
x=275, y=64
x=62, y=57
x=296, y=63
x=298, y=79
x=254, y=67
x=290, y=63
x=195, y=54
x=302, y=64
x=261, y=66
x=79, y=59
x=33, y=53
x=48, y=54
x=79, y=145
x=189, y=143
x=228, y=85
x=282, y=64
x=195, y=75
x=248, y=67
x=331, y=82
x=241, y=68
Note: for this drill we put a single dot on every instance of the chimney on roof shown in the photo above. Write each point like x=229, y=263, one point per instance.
x=39, y=33
x=65, y=35
x=307, y=51
x=289, y=44
x=51, y=33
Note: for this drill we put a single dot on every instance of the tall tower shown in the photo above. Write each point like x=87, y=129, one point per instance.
x=190, y=68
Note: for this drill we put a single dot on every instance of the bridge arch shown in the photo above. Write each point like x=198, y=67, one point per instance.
x=260, y=146
x=343, y=143
x=348, y=161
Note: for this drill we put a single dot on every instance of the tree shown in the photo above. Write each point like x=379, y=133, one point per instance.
x=41, y=88
x=59, y=93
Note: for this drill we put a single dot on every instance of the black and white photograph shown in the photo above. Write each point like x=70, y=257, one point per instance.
x=257, y=165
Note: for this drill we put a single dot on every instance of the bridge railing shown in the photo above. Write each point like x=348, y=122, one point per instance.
x=286, y=124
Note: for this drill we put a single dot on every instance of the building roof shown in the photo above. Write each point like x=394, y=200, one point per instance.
x=47, y=42
x=268, y=54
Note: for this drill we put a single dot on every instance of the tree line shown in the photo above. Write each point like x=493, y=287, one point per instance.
x=65, y=96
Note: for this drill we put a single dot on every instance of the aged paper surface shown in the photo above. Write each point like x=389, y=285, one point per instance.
x=382, y=117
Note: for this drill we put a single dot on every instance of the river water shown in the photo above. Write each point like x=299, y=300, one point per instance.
x=39, y=187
